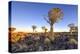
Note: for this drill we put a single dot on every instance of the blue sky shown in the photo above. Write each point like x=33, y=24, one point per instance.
x=26, y=14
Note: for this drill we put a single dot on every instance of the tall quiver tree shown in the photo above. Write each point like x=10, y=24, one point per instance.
x=33, y=27
x=54, y=15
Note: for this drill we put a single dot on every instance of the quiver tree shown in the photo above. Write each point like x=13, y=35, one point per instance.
x=54, y=15
x=44, y=29
x=72, y=27
x=11, y=29
x=33, y=27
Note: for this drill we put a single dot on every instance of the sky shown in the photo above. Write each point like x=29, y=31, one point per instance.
x=26, y=14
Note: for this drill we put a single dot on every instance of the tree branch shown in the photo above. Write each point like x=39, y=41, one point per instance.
x=47, y=20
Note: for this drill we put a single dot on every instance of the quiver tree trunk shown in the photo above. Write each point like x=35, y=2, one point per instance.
x=51, y=32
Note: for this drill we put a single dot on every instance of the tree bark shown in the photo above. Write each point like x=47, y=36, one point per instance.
x=51, y=33
x=51, y=30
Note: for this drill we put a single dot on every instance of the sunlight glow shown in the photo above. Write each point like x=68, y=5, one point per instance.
x=39, y=30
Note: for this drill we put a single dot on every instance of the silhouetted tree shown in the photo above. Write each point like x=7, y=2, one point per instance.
x=33, y=27
x=44, y=28
x=11, y=29
x=71, y=27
